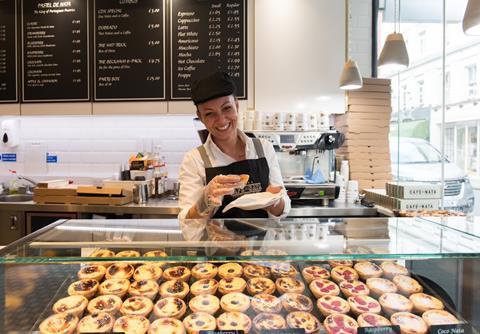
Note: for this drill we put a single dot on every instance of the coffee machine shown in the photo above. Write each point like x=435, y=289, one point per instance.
x=307, y=162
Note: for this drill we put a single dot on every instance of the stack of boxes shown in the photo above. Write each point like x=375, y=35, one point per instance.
x=366, y=126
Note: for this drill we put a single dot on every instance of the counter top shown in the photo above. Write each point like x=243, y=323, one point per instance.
x=164, y=206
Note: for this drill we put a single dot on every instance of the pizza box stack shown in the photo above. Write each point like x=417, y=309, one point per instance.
x=366, y=126
x=410, y=196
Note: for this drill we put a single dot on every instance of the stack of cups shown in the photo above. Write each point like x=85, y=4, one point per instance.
x=267, y=121
x=258, y=121
x=323, y=121
x=340, y=181
x=352, y=191
x=278, y=122
x=345, y=170
x=312, y=121
x=302, y=122
x=290, y=121
x=249, y=120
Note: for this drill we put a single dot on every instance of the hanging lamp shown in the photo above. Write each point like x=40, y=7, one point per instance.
x=471, y=18
x=394, y=53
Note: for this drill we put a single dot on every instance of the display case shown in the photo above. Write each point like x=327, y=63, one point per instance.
x=289, y=276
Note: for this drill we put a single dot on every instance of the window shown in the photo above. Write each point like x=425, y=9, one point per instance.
x=471, y=72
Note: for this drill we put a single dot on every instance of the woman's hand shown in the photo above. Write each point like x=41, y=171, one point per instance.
x=220, y=186
x=275, y=209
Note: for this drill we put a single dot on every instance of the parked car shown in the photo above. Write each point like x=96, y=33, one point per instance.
x=420, y=161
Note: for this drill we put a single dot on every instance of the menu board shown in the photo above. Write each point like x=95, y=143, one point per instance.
x=207, y=36
x=8, y=51
x=130, y=50
x=55, y=50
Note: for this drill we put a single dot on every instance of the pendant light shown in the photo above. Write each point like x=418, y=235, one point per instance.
x=471, y=18
x=394, y=53
x=350, y=78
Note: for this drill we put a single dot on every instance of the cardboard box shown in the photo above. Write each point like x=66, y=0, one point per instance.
x=364, y=115
x=362, y=123
x=370, y=109
x=359, y=167
x=369, y=102
x=369, y=95
x=376, y=81
x=372, y=176
x=414, y=190
x=372, y=184
x=375, y=88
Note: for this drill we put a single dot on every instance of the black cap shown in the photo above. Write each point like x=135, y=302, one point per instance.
x=214, y=85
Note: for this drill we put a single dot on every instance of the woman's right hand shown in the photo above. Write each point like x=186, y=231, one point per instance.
x=220, y=186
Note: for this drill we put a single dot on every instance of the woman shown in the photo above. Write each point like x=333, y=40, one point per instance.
x=209, y=175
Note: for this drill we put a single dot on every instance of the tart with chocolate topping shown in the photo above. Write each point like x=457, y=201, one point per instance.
x=93, y=271
x=260, y=285
x=296, y=302
x=289, y=284
x=379, y=286
x=372, y=320
x=311, y=273
x=268, y=321
x=409, y=323
x=137, y=306
x=117, y=287
x=366, y=269
x=235, y=302
x=354, y=288
x=96, y=323
x=75, y=304
x=340, y=324
x=230, y=270
x=204, y=270
x=166, y=325
x=178, y=272
x=266, y=303
x=204, y=303
x=322, y=287
x=343, y=273
x=393, y=302
x=145, y=288
x=363, y=304
x=64, y=323
x=199, y=321
x=174, y=288
x=234, y=321
x=337, y=263
x=406, y=285
x=303, y=320
x=170, y=307
x=283, y=269
x=332, y=305
x=423, y=302
x=233, y=284
x=131, y=324
x=83, y=287
x=204, y=286
x=148, y=272
x=391, y=269
x=119, y=270
x=254, y=270
x=107, y=303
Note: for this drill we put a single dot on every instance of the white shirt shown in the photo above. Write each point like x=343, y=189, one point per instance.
x=192, y=171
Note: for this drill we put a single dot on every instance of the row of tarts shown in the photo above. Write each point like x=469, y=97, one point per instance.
x=209, y=297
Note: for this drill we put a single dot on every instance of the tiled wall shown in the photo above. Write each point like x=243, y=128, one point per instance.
x=94, y=147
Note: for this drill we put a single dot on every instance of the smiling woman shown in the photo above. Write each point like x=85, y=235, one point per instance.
x=214, y=174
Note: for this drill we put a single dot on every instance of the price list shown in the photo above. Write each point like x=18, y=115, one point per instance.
x=55, y=51
x=130, y=50
x=207, y=36
x=8, y=51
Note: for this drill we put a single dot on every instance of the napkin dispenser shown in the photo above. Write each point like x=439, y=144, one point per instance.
x=10, y=132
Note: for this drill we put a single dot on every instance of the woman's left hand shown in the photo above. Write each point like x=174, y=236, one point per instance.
x=275, y=209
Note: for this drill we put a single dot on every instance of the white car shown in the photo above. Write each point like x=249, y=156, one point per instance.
x=420, y=161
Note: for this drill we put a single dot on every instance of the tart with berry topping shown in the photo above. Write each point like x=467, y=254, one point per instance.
x=117, y=287
x=423, y=302
x=409, y=323
x=174, y=288
x=322, y=287
x=391, y=269
x=235, y=302
x=366, y=269
x=107, y=303
x=84, y=287
x=205, y=303
x=75, y=304
x=292, y=302
x=131, y=324
x=234, y=321
x=204, y=270
x=303, y=320
x=230, y=270
x=96, y=323
x=170, y=307
x=406, y=285
x=137, y=306
x=144, y=288
x=254, y=270
x=92, y=271
x=260, y=285
x=354, y=288
x=340, y=324
x=265, y=303
x=64, y=323
x=119, y=270
x=204, y=286
x=199, y=321
x=233, y=284
x=268, y=321
x=311, y=273
x=379, y=286
x=178, y=273
x=372, y=320
x=394, y=302
x=289, y=284
x=343, y=273
x=332, y=305
x=166, y=325
x=148, y=272
x=364, y=304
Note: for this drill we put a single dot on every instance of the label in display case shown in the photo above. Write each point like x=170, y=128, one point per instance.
x=284, y=331
x=8, y=51
x=129, y=50
x=55, y=49
x=207, y=36
x=222, y=332
x=379, y=330
x=451, y=329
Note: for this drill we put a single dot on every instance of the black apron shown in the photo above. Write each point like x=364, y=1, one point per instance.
x=259, y=180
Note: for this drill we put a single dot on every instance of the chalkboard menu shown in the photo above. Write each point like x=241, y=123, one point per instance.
x=55, y=51
x=8, y=51
x=130, y=50
x=207, y=36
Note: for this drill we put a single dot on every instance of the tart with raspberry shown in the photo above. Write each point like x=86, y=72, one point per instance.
x=234, y=321
x=354, y=288
x=313, y=272
x=303, y=320
x=289, y=284
x=265, y=303
x=409, y=323
x=332, y=305
x=340, y=324
x=170, y=307
x=394, y=302
x=174, y=288
x=177, y=273
x=364, y=304
x=372, y=320
x=260, y=285
x=199, y=321
x=366, y=269
x=343, y=273
x=205, y=303
x=296, y=302
x=322, y=287
x=204, y=270
x=204, y=286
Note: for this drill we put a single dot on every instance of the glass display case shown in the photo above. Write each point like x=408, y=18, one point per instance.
x=292, y=276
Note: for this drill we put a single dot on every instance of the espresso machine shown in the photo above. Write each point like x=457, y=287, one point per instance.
x=307, y=162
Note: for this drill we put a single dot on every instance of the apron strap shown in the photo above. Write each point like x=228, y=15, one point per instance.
x=258, y=147
x=203, y=154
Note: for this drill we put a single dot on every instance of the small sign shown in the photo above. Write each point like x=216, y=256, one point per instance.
x=379, y=330
x=222, y=332
x=52, y=159
x=451, y=329
x=284, y=331
x=10, y=157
